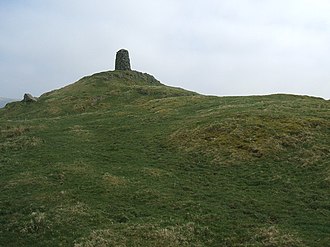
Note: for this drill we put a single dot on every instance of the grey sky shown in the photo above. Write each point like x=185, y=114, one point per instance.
x=228, y=47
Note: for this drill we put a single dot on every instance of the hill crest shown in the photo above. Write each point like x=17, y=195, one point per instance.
x=99, y=91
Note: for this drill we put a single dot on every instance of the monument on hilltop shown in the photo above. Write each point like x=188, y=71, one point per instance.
x=122, y=60
x=29, y=98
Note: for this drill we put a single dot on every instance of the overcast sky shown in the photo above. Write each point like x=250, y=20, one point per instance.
x=217, y=47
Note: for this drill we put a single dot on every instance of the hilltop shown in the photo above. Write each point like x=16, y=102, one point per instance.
x=120, y=159
x=101, y=91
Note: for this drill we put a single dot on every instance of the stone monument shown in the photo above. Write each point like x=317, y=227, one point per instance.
x=29, y=98
x=122, y=60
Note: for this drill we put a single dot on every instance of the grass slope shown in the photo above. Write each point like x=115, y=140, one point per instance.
x=118, y=159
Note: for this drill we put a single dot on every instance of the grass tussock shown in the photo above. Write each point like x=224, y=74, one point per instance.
x=274, y=237
x=110, y=179
x=80, y=131
x=155, y=172
x=251, y=137
x=20, y=143
x=75, y=168
x=18, y=137
x=74, y=209
x=37, y=222
x=146, y=235
x=27, y=179
x=14, y=131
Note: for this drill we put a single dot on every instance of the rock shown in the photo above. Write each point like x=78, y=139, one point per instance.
x=29, y=98
x=122, y=60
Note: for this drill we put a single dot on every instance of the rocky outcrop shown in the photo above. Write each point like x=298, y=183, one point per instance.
x=29, y=98
x=122, y=60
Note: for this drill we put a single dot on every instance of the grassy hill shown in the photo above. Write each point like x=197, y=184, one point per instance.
x=119, y=159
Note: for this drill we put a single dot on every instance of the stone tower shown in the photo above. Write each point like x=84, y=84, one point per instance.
x=122, y=60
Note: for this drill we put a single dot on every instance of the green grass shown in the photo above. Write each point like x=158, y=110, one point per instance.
x=118, y=159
